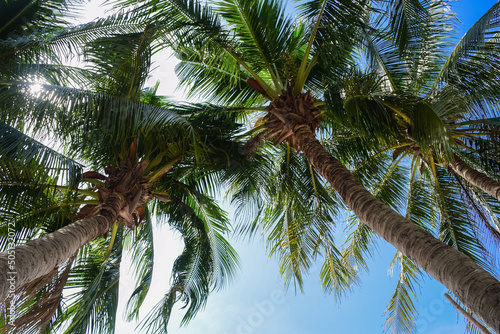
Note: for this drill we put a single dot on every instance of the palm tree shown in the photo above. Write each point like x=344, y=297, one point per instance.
x=206, y=262
x=433, y=114
x=148, y=153
x=446, y=129
x=435, y=204
x=249, y=53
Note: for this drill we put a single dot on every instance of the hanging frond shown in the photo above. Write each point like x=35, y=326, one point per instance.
x=95, y=280
x=208, y=262
x=16, y=146
x=401, y=312
x=142, y=254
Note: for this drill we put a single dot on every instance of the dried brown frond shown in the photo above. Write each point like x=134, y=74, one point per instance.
x=39, y=301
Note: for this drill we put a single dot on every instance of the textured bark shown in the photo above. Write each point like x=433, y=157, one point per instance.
x=478, y=179
x=39, y=257
x=473, y=285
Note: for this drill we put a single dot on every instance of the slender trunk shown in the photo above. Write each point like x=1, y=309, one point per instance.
x=473, y=285
x=478, y=179
x=39, y=257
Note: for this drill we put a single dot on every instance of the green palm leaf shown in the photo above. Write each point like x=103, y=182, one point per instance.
x=401, y=312
x=92, y=308
x=207, y=261
x=475, y=60
x=142, y=253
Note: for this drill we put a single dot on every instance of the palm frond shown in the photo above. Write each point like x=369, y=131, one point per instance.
x=24, y=17
x=326, y=42
x=383, y=55
x=473, y=65
x=16, y=146
x=121, y=62
x=92, y=307
x=262, y=31
x=195, y=70
x=295, y=212
x=92, y=115
x=142, y=253
x=208, y=262
x=31, y=48
x=337, y=275
x=401, y=311
x=32, y=200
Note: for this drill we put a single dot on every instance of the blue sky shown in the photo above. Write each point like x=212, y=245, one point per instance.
x=256, y=302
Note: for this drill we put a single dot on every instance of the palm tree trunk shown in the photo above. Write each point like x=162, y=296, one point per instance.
x=39, y=257
x=476, y=178
x=473, y=285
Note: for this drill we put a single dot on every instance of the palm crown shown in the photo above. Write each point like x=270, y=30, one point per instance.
x=250, y=52
x=148, y=149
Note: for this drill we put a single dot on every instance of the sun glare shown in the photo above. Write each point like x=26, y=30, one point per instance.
x=35, y=88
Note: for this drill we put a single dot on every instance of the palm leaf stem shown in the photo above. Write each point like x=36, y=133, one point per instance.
x=474, y=122
x=288, y=152
x=249, y=109
x=63, y=188
x=309, y=68
x=303, y=70
x=466, y=314
x=432, y=165
x=313, y=181
x=60, y=205
x=414, y=167
x=398, y=112
x=381, y=152
x=277, y=83
x=164, y=169
x=164, y=193
x=114, y=230
x=250, y=132
x=19, y=15
x=476, y=134
x=380, y=61
x=94, y=181
x=269, y=91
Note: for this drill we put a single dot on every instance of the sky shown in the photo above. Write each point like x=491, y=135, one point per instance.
x=257, y=303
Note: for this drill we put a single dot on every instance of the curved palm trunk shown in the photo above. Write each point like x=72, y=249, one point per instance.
x=39, y=257
x=473, y=285
x=478, y=179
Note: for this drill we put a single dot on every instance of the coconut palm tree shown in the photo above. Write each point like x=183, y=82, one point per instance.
x=433, y=113
x=93, y=269
x=432, y=119
x=249, y=53
x=148, y=153
x=436, y=204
